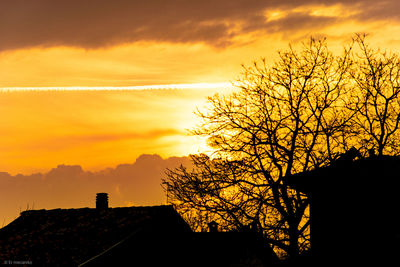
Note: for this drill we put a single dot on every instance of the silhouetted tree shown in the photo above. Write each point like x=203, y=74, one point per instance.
x=286, y=118
x=376, y=98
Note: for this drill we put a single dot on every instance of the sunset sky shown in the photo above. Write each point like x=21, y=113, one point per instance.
x=141, y=49
x=127, y=43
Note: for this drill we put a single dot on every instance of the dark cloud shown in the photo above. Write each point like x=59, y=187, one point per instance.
x=69, y=186
x=295, y=21
x=98, y=23
x=378, y=10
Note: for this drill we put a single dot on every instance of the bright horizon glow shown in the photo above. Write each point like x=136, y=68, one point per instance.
x=117, y=88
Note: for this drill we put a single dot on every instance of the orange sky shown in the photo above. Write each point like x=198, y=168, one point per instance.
x=96, y=129
x=120, y=43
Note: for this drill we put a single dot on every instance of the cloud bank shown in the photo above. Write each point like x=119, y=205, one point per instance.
x=100, y=23
x=69, y=186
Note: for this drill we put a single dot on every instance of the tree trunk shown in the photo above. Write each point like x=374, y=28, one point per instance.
x=293, y=250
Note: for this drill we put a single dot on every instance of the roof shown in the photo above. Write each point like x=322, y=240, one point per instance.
x=214, y=249
x=72, y=236
x=374, y=171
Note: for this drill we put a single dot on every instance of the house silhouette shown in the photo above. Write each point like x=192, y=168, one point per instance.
x=354, y=206
x=125, y=236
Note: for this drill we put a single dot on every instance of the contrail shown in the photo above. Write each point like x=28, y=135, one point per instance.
x=123, y=88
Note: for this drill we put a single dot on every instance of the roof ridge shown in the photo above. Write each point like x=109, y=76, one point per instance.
x=94, y=209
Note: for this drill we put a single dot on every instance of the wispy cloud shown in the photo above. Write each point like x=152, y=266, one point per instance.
x=149, y=135
x=57, y=143
x=122, y=88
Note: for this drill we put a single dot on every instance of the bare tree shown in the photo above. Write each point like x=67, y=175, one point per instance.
x=284, y=119
x=376, y=98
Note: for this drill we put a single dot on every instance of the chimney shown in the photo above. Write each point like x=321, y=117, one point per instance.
x=213, y=227
x=101, y=201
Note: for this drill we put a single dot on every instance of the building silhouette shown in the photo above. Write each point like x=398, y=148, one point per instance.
x=126, y=236
x=354, y=206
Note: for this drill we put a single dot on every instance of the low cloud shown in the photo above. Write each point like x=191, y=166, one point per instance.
x=69, y=186
x=100, y=23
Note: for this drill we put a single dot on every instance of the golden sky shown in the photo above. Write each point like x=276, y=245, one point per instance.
x=97, y=129
x=121, y=43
